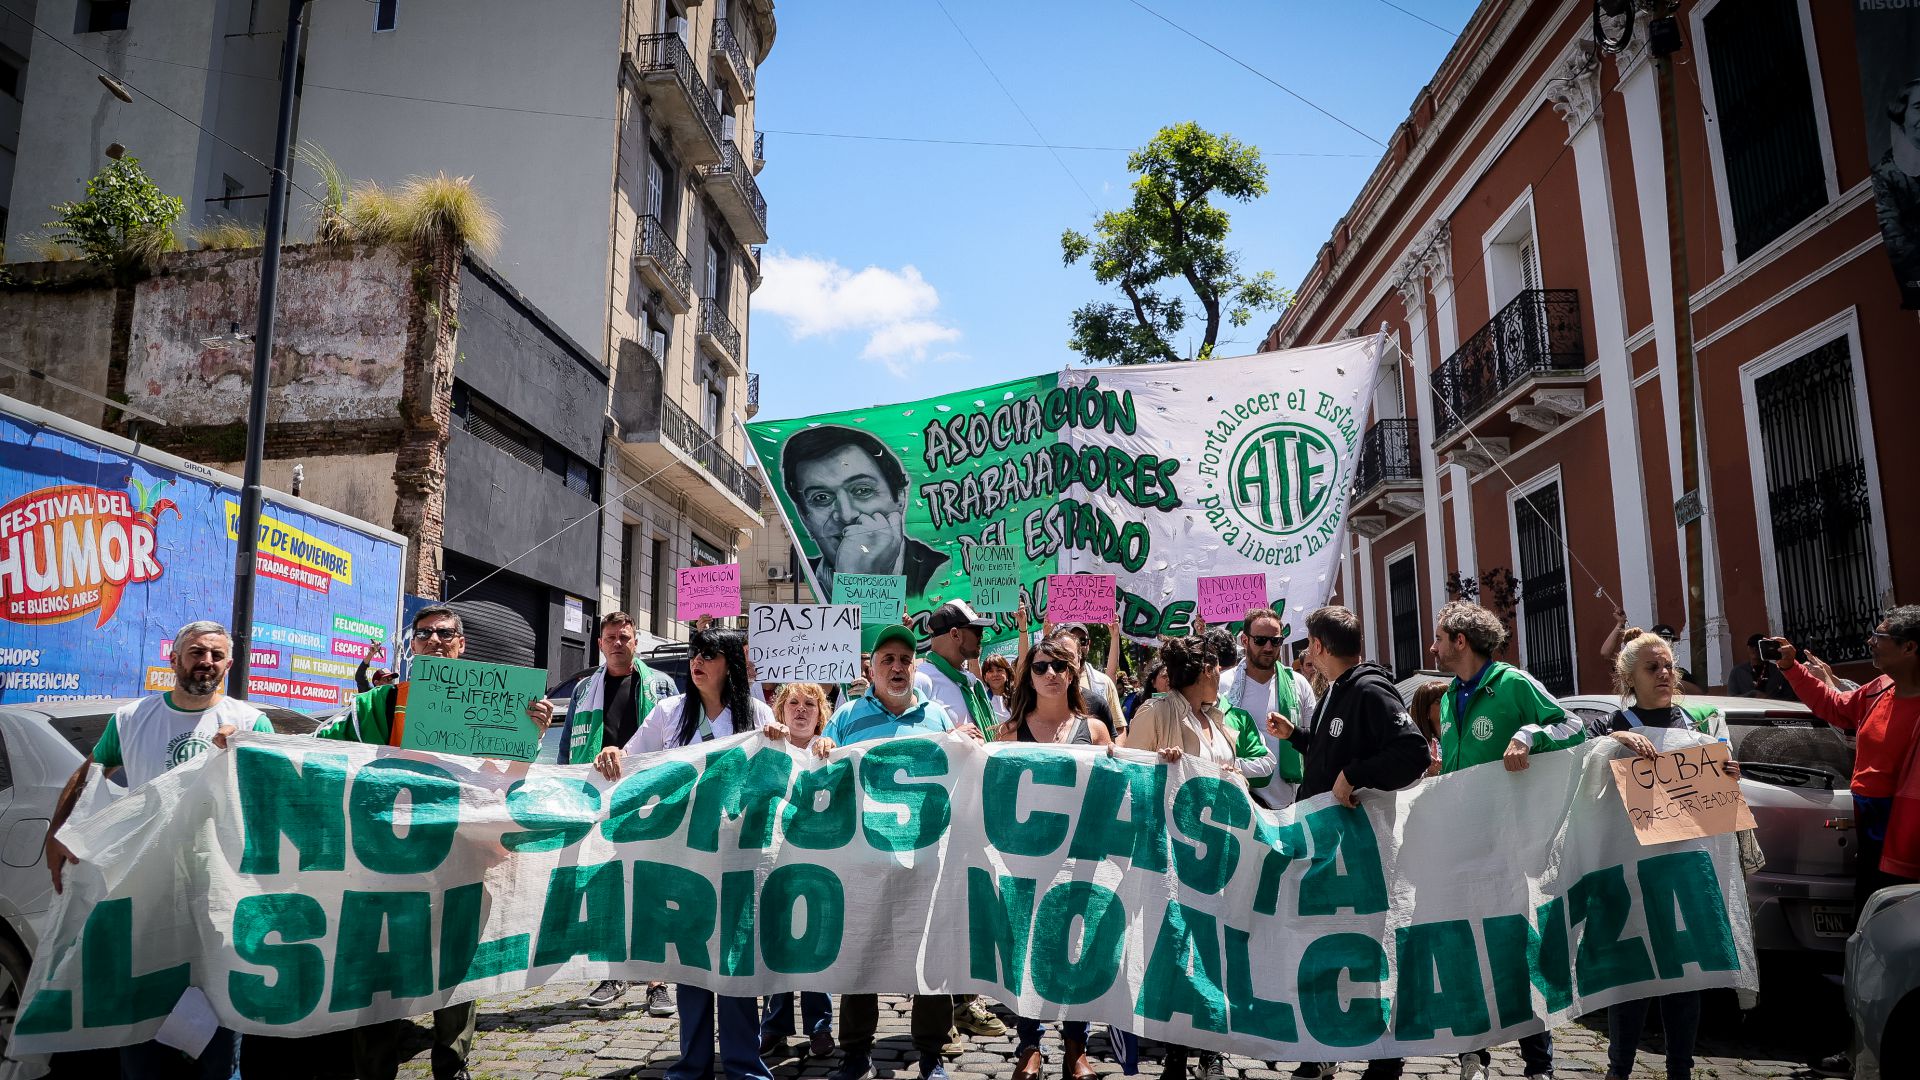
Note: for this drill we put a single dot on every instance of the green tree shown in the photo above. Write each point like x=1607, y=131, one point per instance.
x=1172, y=236
x=124, y=217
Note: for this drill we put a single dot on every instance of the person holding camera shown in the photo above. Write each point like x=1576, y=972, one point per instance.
x=1760, y=676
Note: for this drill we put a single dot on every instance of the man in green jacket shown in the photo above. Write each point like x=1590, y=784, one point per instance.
x=437, y=631
x=1494, y=712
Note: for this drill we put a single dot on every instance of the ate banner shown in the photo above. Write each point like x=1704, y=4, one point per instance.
x=309, y=886
x=1158, y=474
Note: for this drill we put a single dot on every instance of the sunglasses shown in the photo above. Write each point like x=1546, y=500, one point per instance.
x=1053, y=667
x=444, y=633
x=1264, y=640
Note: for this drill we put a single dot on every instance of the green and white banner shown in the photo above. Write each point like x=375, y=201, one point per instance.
x=1158, y=474
x=307, y=886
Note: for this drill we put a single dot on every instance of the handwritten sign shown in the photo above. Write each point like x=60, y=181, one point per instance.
x=817, y=643
x=881, y=598
x=1081, y=598
x=466, y=707
x=708, y=590
x=1226, y=598
x=1681, y=794
x=995, y=571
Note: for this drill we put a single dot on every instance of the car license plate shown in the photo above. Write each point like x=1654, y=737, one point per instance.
x=1832, y=920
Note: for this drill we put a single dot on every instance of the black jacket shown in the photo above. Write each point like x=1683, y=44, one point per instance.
x=1362, y=729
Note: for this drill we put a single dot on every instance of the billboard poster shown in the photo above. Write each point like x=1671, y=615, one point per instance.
x=106, y=550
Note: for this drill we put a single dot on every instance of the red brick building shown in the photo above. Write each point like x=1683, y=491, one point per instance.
x=1514, y=242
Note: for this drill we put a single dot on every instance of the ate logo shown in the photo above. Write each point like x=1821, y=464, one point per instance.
x=1282, y=477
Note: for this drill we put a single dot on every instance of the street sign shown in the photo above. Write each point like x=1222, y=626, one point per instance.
x=1686, y=509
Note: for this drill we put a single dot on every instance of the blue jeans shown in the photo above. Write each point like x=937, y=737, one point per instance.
x=739, y=1021
x=1679, y=1016
x=1073, y=1031
x=816, y=1014
x=158, y=1061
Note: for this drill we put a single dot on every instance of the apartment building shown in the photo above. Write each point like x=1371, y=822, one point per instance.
x=1525, y=439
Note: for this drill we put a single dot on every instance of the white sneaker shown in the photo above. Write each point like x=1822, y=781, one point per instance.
x=1539, y=1076
x=1471, y=1067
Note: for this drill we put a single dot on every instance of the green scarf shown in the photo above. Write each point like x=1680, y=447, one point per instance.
x=979, y=709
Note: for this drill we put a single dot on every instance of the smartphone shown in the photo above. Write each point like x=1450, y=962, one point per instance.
x=1769, y=649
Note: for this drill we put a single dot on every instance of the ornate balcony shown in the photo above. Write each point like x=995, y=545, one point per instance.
x=717, y=335
x=759, y=151
x=753, y=268
x=658, y=437
x=730, y=183
x=679, y=98
x=659, y=261
x=732, y=59
x=753, y=394
x=1387, y=476
x=1524, y=368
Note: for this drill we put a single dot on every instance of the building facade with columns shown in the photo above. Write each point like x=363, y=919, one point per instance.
x=1525, y=445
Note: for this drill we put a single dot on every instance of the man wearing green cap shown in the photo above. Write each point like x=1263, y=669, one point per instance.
x=892, y=706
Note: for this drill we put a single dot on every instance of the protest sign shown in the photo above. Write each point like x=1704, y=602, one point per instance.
x=708, y=591
x=1158, y=474
x=1681, y=793
x=995, y=572
x=1081, y=598
x=335, y=885
x=818, y=643
x=881, y=598
x=467, y=707
x=1226, y=598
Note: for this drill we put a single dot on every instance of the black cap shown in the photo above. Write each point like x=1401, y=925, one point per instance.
x=953, y=615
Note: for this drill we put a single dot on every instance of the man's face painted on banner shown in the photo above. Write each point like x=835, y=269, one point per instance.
x=845, y=500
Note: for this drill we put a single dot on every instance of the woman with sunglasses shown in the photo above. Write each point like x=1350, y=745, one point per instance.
x=722, y=703
x=1046, y=707
x=1183, y=722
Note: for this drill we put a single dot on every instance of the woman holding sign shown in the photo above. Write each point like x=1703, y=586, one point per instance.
x=1646, y=677
x=1046, y=708
x=721, y=704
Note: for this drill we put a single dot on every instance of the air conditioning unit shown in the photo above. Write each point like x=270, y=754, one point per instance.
x=779, y=573
x=677, y=26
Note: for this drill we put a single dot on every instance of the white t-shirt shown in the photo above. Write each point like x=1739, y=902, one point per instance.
x=150, y=736
x=661, y=729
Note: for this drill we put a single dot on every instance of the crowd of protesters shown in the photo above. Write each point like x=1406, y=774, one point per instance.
x=1333, y=723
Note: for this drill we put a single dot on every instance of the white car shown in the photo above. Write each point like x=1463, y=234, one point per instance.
x=1795, y=773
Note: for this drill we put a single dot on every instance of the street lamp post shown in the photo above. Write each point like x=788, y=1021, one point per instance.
x=247, y=529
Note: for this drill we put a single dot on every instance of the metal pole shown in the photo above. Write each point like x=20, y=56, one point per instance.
x=1683, y=349
x=247, y=529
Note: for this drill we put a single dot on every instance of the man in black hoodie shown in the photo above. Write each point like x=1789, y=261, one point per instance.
x=1362, y=737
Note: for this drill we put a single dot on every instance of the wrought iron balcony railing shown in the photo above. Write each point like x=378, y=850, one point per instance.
x=656, y=243
x=1537, y=333
x=753, y=392
x=1386, y=456
x=715, y=324
x=759, y=149
x=657, y=54
x=704, y=447
x=727, y=45
x=734, y=173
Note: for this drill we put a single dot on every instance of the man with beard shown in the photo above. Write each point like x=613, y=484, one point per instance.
x=146, y=739
x=377, y=1048
x=892, y=706
x=1258, y=687
x=851, y=494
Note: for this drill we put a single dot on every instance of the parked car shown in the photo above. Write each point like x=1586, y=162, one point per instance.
x=669, y=665
x=1883, y=986
x=41, y=744
x=1795, y=772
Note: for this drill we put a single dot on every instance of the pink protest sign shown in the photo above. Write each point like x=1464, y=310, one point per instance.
x=1227, y=598
x=1081, y=598
x=708, y=590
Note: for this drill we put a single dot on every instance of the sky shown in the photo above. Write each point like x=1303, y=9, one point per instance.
x=899, y=270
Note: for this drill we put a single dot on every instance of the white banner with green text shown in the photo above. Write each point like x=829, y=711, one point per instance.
x=307, y=886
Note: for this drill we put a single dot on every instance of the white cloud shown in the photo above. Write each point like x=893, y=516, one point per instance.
x=817, y=297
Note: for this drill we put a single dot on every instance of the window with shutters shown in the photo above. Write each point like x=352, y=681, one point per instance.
x=1403, y=608
x=1764, y=113
x=500, y=429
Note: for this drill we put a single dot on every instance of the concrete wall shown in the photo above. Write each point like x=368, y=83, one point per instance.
x=500, y=509
x=67, y=333
x=360, y=485
x=340, y=336
x=516, y=357
x=546, y=175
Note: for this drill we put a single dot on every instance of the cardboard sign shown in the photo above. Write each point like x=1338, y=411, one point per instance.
x=466, y=707
x=817, y=643
x=708, y=590
x=1226, y=598
x=881, y=598
x=1681, y=794
x=1081, y=598
x=995, y=572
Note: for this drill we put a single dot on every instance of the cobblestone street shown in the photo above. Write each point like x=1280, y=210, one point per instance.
x=550, y=1033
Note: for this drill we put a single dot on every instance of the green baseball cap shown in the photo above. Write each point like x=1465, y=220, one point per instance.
x=894, y=632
